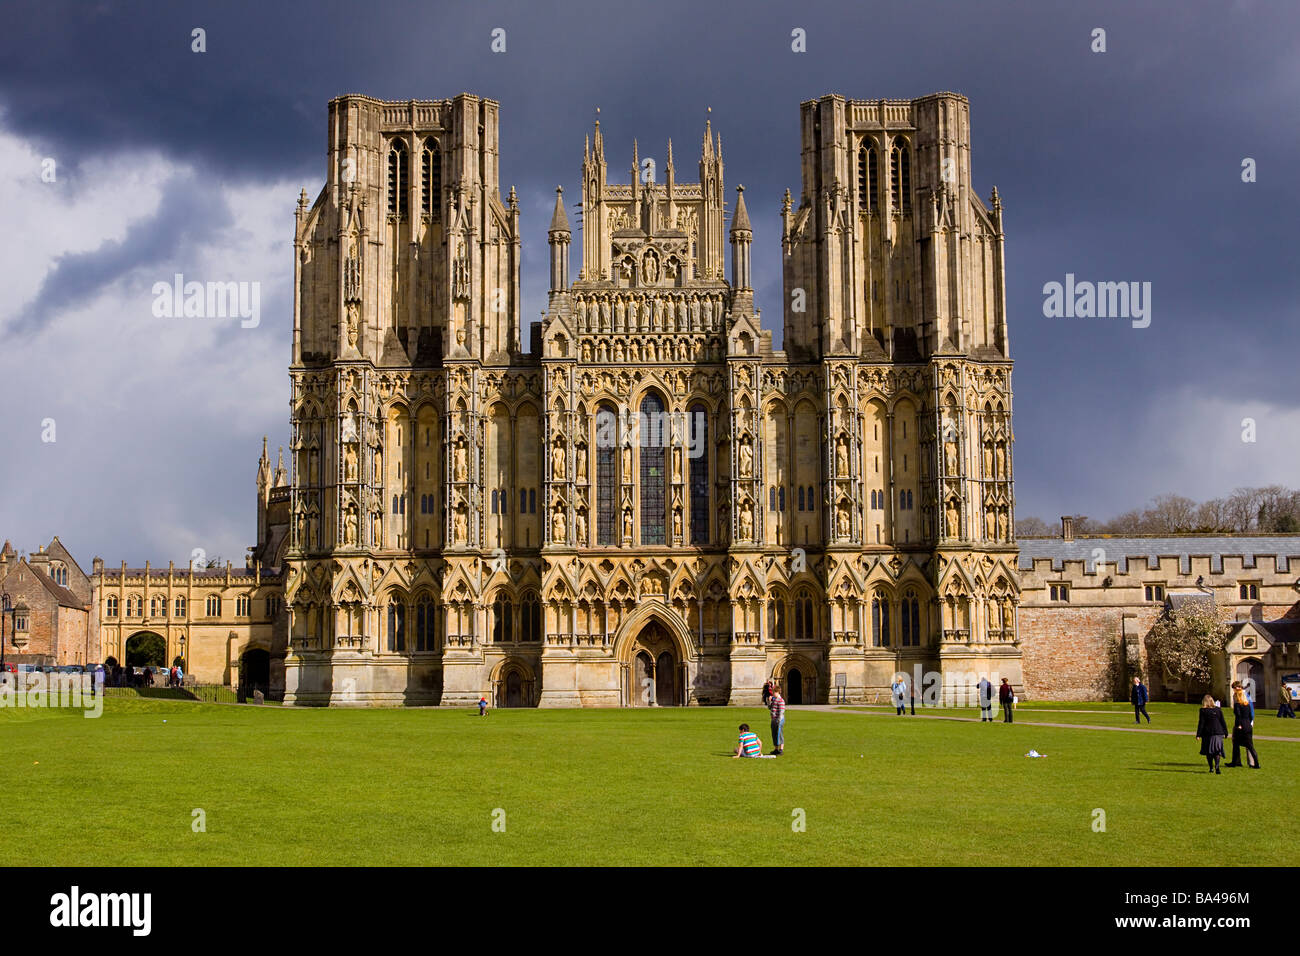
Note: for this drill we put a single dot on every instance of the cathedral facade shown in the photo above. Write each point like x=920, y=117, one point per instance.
x=648, y=505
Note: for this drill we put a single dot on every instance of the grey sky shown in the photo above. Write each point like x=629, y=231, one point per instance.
x=1115, y=166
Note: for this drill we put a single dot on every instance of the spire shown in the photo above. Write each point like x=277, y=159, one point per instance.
x=281, y=478
x=559, y=221
x=740, y=218
x=670, y=153
x=707, y=150
x=719, y=147
x=599, y=141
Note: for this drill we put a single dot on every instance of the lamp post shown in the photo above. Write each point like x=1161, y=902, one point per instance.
x=185, y=664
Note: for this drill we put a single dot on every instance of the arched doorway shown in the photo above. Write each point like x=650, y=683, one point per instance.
x=146, y=649
x=655, y=681
x=1251, y=674
x=794, y=686
x=254, y=672
x=513, y=684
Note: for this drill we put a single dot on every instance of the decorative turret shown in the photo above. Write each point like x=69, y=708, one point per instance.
x=559, y=236
x=741, y=237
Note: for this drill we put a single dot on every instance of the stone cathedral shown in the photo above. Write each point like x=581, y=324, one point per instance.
x=645, y=504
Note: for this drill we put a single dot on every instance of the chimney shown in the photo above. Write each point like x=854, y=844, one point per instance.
x=1067, y=527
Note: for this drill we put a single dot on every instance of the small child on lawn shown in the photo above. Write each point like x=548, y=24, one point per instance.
x=750, y=745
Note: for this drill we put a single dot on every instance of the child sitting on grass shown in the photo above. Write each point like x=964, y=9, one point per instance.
x=750, y=745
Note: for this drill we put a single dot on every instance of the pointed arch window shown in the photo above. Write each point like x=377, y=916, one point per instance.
x=431, y=180
x=606, y=475
x=425, y=628
x=699, y=423
x=651, y=428
x=398, y=200
x=879, y=622
x=776, y=617
x=900, y=168
x=502, y=620
x=910, y=615
x=867, y=178
x=396, y=625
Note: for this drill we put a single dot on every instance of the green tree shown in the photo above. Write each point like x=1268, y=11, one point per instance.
x=1182, y=641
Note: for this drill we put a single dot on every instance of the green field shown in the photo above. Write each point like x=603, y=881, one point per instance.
x=622, y=787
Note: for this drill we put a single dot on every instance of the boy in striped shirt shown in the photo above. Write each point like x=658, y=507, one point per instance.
x=750, y=745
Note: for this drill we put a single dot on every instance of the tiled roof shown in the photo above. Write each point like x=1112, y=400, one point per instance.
x=1124, y=549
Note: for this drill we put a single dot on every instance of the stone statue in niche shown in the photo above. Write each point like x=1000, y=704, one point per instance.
x=350, y=462
x=580, y=527
x=558, y=527
x=746, y=521
x=650, y=266
x=746, y=459
x=460, y=526
x=951, y=516
x=461, y=468
x=677, y=524
x=350, y=526
x=353, y=324
x=582, y=463
x=841, y=457
x=627, y=523
x=557, y=460
x=842, y=521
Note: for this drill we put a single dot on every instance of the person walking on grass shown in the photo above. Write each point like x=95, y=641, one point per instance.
x=776, y=707
x=750, y=745
x=767, y=692
x=482, y=706
x=1284, y=706
x=1243, y=730
x=1211, y=731
x=1139, y=698
x=899, y=689
x=1007, y=698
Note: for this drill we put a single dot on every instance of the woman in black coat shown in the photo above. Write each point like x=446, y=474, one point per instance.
x=1243, y=731
x=1211, y=731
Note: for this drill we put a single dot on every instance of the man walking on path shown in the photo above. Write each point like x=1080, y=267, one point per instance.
x=1007, y=698
x=776, y=706
x=1139, y=698
x=986, y=700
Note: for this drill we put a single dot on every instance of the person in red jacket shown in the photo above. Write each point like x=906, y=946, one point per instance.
x=1007, y=698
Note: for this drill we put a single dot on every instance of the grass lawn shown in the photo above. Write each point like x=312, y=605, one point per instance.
x=622, y=787
x=1164, y=716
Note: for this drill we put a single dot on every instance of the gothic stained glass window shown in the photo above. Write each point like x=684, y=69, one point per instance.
x=699, y=422
x=651, y=427
x=606, y=476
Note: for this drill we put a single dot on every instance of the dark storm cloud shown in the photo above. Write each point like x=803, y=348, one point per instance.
x=1119, y=166
x=188, y=211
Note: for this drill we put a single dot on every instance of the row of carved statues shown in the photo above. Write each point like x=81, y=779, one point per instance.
x=649, y=312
